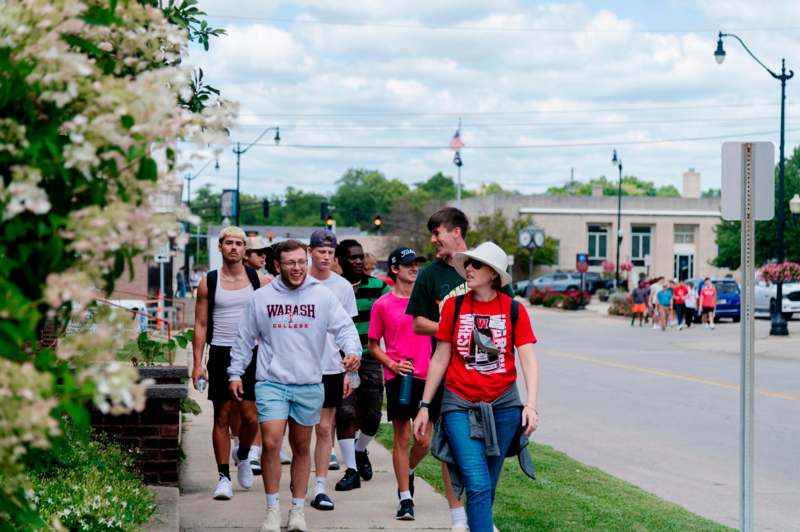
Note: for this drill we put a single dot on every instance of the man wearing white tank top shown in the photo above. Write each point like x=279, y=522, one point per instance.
x=217, y=317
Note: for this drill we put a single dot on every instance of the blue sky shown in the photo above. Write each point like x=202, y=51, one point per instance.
x=541, y=88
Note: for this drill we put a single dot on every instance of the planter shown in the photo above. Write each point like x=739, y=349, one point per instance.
x=154, y=433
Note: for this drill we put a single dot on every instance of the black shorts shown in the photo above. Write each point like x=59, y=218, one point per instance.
x=219, y=358
x=708, y=310
x=363, y=406
x=394, y=410
x=334, y=389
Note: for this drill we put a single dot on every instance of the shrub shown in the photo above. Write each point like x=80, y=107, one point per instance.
x=786, y=272
x=575, y=300
x=537, y=296
x=553, y=299
x=620, y=305
x=602, y=294
x=89, y=483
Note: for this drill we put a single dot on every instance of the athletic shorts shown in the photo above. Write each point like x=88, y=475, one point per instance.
x=708, y=310
x=219, y=358
x=334, y=389
x=363, y=406
x=301, y=402
x=638, y=308
x=394, y=410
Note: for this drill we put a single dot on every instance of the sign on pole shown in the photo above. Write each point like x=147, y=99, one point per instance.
x=229, y=203
x=748, y=194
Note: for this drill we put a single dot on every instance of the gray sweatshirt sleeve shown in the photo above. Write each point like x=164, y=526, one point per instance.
x=242, y=350
x=341, y=326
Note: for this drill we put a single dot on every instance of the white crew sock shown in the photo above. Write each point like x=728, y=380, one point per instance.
x=412, y=470
x=298, y=503
x=459, y=517
x=405, y=495
x=362, y=442
x=236, y=441
x=272, y=500
x=319, y=485
x=348, y=447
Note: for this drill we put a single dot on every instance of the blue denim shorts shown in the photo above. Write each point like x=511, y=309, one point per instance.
x=301, y=402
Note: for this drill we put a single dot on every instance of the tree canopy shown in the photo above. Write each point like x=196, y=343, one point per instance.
x=631, y=186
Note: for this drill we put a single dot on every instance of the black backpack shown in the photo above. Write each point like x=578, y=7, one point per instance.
x=514, y=316
x=211, y=280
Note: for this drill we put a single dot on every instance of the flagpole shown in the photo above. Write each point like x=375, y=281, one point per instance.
x=458, y=187
x=456, y=144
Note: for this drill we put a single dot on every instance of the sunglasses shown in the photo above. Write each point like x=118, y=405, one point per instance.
x=476, y=265
x=260, y=252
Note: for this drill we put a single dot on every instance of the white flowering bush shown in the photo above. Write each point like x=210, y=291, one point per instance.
x=94, y=98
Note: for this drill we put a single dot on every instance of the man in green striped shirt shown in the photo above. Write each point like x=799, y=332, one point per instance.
x=362, y=409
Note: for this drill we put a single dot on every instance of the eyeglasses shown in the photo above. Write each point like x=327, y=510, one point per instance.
x=295, y=263
x=260, y=252
x=476, y=265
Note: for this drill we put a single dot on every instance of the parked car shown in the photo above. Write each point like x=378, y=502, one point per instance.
x=595, y=281
x=766, y=294
x=558, y=282
x=729, y=303
x=521, y=287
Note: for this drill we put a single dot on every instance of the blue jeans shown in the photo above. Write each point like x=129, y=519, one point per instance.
x=479, y=473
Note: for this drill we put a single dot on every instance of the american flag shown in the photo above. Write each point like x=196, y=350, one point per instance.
x=456, y=143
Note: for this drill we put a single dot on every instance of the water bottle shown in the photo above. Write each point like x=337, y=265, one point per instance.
x=201, y=384
x=406, y=385
x=355, y=380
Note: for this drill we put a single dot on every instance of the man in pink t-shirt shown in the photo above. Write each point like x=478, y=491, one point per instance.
x=406, y=356
x=708, y=303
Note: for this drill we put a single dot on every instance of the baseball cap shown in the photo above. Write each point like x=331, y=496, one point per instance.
x=256, y=242
x=322, y=238
x=404, y=255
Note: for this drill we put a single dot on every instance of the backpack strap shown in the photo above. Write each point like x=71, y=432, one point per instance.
x=211, y=282
x=456, y=312
x=253, y=276
x=514, y=316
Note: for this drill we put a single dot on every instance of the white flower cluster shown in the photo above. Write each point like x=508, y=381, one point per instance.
x=116, y=388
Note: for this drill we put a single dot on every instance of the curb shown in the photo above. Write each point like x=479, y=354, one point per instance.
x=167, y=516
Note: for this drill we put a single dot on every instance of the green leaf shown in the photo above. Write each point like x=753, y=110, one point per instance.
x=83, y=44
x=148, y=170
x=127, y=121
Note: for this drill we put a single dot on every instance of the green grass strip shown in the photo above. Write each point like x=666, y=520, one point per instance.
x=569, y=495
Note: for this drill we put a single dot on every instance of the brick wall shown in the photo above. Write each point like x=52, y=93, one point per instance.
x=155, y=432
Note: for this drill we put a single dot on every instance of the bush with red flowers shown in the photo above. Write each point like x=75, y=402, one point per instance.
x=785, y=272
x=621, y=305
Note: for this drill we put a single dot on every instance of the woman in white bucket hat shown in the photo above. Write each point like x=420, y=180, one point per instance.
x=475, y=357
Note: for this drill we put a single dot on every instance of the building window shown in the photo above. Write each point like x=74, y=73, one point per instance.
x=598, y=244
x=684, y=234
x=640, y=243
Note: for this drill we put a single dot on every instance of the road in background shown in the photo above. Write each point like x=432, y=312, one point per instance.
x=661, y=410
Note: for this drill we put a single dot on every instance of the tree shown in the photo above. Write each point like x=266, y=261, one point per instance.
x=728, y=233
x=494, y=189
x=711, y=193
x=498, y=230
x=361, y=194
x=631, y=186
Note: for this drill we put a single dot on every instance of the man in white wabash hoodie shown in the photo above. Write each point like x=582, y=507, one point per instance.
x=291, y=317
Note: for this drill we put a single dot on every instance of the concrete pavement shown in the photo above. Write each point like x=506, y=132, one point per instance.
x=371, y=507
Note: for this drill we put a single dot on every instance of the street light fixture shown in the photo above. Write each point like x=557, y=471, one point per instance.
x=617, y=161
x=794, y=207
x=778, y=323
x=238, y=150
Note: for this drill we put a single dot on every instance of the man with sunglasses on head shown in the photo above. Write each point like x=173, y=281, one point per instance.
x=291, y=319
x=322, y=248
x=361, y=411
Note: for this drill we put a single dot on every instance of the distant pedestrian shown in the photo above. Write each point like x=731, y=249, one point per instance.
x=708, y=303
x=256, y=255
x=482, y=419
x=655, y=288
x=291, y=318
x=664, y=297
x=181, y=280
x=679, y=302
x=639, y=303
x=194, y=280
x=406, y=356
x=370, y=263
x=690, y=301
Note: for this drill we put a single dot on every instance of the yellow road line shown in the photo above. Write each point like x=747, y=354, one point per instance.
x=666, y=373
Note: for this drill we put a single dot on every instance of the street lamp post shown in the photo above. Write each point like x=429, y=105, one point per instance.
x=778, y=323
x=238, y=150
x=189, y=178
x=617, y=161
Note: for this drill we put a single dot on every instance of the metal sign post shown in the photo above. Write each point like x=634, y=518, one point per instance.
x=747, y=195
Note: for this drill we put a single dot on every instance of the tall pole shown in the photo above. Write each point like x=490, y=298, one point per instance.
x=617, y=161
x=458, y=188
x=238, y=151
x=778, y=325
x=189, y=207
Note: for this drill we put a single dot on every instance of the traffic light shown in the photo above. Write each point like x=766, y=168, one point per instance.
x=265, y=208
x=329, y=221
x=377, y=222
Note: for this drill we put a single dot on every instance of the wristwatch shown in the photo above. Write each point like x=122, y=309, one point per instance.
x=423, y=404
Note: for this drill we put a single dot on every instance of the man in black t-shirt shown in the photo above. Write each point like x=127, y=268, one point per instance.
x=435, y=284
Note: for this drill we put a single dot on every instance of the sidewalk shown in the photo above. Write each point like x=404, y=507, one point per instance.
x=369, y=508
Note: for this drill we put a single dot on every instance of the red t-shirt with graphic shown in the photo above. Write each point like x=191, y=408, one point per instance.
x=679, y=293
x=708, y=296
x=481, y=369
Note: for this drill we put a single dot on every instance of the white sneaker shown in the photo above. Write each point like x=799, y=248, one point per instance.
x=333, y=462
x=297, y=520
x=680, y=327
x=285, y=458
x=254, y=457
x=712, y=325
x=224, y=490
x=244, y=474
x=234, y=454
x=273, y=521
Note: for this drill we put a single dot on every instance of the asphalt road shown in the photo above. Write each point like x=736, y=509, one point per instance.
x=661, y=410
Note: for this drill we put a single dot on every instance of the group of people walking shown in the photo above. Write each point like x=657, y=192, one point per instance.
x=673, y=303
x=309, y=350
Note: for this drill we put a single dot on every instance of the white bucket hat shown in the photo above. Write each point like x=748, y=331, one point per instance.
x=488, y=253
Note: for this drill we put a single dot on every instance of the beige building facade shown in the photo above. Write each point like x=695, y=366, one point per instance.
x=670, y=237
